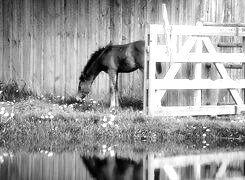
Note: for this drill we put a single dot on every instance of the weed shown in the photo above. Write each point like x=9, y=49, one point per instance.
x=11, y=91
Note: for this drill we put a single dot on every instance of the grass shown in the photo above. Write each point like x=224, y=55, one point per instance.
x=31, y=123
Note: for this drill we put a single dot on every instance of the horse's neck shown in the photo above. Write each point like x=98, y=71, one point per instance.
x=92, y=73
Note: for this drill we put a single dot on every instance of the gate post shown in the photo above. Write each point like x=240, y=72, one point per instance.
x=198, y=72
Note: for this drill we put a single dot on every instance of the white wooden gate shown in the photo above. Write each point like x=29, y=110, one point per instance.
x=165, y=51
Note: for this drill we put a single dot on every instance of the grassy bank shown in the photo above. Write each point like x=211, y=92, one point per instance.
x=32, y=123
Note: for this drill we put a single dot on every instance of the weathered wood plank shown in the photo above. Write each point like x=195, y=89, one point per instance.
x=200, y=57
x=198, y=84
x=6, y=39
x=27, y=41
x=104, y=38
x=58, y=89
x=94, y=43
x=198, y=75
x=207, y=30
x=1, y=44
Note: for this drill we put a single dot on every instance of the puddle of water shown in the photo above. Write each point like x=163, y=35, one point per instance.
x=46, y=165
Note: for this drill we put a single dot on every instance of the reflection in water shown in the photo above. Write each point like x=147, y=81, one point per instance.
x=203, y=166
x=73, y=166
x=114, y=168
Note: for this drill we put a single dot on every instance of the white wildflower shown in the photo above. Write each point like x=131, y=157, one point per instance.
x=104, y=119
x=6, y=114
x=104, y=125
x=12, y=115
x=11, y=155
x=1, y=112
x=104, y=146
x=208, y=130
x=1, y=92
x=42, y=116
x=49, y=113
x=112, y=153
x=5, y=154
x=2, y=108
x=110, y=123
x=112, y=117
x=204, y=135
x=109, y=148
x=50, y=154
x=1, y=159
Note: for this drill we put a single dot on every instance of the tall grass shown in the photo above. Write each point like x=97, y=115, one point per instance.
x=11, y=91
x=34, y=122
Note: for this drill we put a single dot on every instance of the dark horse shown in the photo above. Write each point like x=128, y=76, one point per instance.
x=112, y=59
x=114, y=168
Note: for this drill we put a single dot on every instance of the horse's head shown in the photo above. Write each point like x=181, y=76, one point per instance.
x=84, y=86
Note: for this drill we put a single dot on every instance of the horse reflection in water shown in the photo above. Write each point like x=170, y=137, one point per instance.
x=112, y=59
x=114, y=168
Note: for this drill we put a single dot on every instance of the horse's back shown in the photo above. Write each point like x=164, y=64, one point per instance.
x=125, y=57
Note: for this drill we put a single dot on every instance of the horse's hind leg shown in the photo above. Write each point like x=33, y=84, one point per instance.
x=113, y=89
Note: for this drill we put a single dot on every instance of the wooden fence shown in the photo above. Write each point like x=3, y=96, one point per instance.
x=46, y=43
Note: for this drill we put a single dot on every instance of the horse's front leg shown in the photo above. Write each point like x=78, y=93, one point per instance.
x=116, y=92
x=113, y=89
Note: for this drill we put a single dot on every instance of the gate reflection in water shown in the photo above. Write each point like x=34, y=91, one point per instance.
x=73, y=166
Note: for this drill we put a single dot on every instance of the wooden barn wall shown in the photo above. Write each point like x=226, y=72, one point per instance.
x=46, y=43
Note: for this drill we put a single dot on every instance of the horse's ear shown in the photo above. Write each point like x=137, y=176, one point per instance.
x=110, y=43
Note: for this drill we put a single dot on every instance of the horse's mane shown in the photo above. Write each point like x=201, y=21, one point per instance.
x=96, y=55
